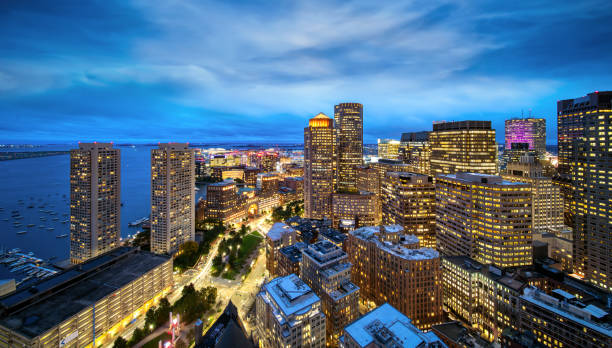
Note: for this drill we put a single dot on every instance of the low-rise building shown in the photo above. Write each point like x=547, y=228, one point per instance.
x=560, y=320
x=288, y=314
x=280, y=235
x=334, y=236
x=385, y=326
x=290, y=259
x=87, y=304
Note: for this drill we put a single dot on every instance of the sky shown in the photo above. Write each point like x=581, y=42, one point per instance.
x=233, y=71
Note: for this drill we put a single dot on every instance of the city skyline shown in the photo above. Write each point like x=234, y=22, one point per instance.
x=119, y=72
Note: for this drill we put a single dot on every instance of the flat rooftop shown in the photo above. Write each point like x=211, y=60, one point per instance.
x=278, y=229
x=293, y=252
x=324, y=252
x=386, y=323
x=34, y=310
x=291, y=295
x=479, y=178
x=401, y=249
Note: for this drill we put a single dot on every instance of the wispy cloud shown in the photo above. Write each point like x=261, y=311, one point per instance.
x=208, y=70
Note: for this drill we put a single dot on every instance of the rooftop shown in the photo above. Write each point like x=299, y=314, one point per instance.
x=293, y=252
x=333, y=235
x=403, y=247
x=290, y=295
x=278, y=229
x=480, y=178
x=589, y=316
x=34, y=310
x=385, y=325
x=324, y=251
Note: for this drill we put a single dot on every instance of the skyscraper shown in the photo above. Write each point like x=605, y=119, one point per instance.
x=172, y=197
x=526, y=130
x=388, y=148
x=95, y=200
x=409, y=200
x=353, y=210
x=349, y=125
x=485, y=218
x=319, y=166
x=590, y=163
x=325, y=268
x=465, y=146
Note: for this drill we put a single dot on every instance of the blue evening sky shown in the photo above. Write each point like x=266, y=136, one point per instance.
x=223, y=71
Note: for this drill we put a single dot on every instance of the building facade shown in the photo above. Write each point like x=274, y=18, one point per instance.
x=319, y=167
x=389, y=266
x=288, y=314
x=526, y=130
x=325, y=268
x=591, y=176
x=561, y=321
x=546, y=202
x=290, y=259
x=280, y=235
x=409, y=200
x=484, y=217
x=95, y=200
x=388, y=148
x=349, y=125
x=464, y=146
x=88, y=304
x=172, y=197
x=353, y=210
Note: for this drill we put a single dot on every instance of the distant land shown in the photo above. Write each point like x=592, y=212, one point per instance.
x=7, y=156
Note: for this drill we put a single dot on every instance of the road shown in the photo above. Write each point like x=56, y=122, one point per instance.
x=241, y=292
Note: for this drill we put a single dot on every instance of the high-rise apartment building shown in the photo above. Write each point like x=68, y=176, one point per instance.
x=325, y=268
x=172, y=197
x=388, y=148
x=546, y=203
x=95, y=200
x=319, y=167
x=389, y=266
x=526, y=130
x=349, y=126
x=289, y=314
x=484, y=217
x=353, y=210
x=280, y=235
x=409, y=200
x=591, y=175
x=385, y=326
x=464, y=146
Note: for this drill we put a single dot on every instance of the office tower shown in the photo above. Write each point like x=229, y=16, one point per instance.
x=172, y=197
x=290, y=259
x=367, y=179
x=265, y=161
x=560, y=320
x=546, y=203
x=514, y=154
x=560, y=247
x=483, y=296
x=526, y=130
x=250, y=176
x=385, y=326
x=349, y=125
x=84, y=306
x=222, y=201
x=416, y=151
x=465, y=146
x=591, y=176
x=389, y=266
x=353, y=210
x=484, y=217
x=325, y=268
x=289, y=314
x=268, y=182
x=319, y=167
x=388, y=148
x=333, y=236
x=280, y=235
x=95, y=200
x=409, y=200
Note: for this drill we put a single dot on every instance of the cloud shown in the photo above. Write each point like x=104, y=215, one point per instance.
x=235, y=70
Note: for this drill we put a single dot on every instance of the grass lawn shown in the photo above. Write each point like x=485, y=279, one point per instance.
x=247, y=246
x=154, y=343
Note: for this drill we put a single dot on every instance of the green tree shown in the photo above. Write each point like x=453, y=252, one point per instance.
x=120, y=342
x=151, y=316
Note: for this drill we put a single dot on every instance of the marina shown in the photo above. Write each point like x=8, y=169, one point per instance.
x=25, y=266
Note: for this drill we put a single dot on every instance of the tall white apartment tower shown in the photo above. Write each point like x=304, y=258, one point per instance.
x=172, y=197
x=95, y=200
